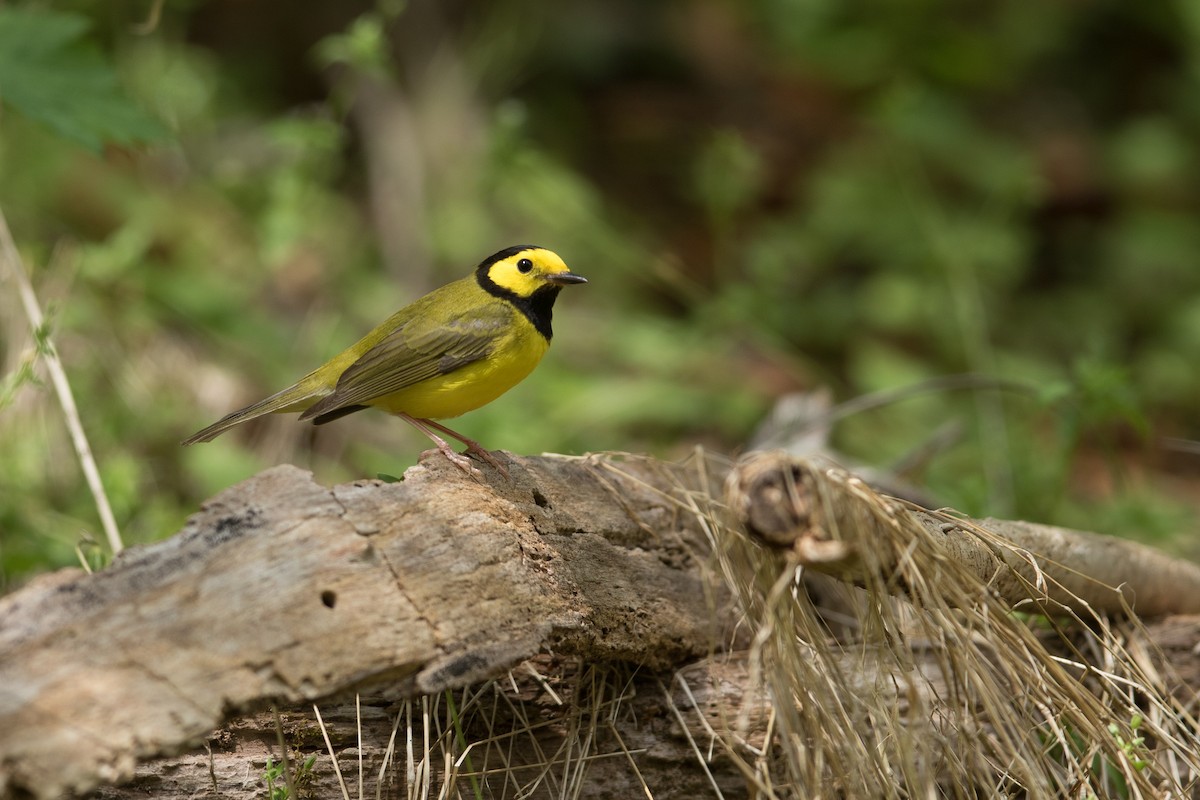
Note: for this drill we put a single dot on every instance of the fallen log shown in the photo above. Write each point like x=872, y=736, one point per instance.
x=281, y=593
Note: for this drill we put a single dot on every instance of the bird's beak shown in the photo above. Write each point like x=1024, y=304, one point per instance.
x=565, y=278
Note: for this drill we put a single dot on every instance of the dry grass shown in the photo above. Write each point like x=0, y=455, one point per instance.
x=514, y=738
x=14, y=271
x=947, y=692
x=918, y=684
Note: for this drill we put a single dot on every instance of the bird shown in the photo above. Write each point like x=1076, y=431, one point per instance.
x=449, y=352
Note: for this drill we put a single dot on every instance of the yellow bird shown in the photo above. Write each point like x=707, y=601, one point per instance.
x=453, y=350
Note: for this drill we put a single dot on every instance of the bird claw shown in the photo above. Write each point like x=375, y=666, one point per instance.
x=458, y=460
x=485, y=455
x=427, y=426
x=463, y=462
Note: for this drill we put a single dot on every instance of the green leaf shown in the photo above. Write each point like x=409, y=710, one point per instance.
x=363, y=46
x=50, y=73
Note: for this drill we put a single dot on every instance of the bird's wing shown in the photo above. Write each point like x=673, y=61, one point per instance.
x=409, y=355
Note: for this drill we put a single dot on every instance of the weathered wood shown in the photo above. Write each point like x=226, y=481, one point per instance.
x=643, y=732
x=603, y=733
x=281, y=590
x=835, y=523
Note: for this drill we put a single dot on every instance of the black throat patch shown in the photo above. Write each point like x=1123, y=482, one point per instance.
x=538, y=308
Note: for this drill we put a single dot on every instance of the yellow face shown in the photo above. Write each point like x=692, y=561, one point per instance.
x=523, y=271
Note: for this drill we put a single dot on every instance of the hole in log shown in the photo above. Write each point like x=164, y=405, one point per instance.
x=329, y=598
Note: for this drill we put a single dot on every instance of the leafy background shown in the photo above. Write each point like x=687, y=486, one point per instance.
x=768, y=196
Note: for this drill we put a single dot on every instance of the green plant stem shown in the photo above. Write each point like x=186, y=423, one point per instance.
x=62, y=387
x=476, y=789
x=287, y=767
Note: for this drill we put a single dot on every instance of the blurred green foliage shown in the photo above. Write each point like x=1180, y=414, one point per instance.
x=50, y=73
x=768, y=196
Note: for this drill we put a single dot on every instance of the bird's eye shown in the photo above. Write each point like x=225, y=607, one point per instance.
x=524, y=265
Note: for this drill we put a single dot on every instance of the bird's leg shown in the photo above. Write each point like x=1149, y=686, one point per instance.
x=458, y=460
x=472, y=445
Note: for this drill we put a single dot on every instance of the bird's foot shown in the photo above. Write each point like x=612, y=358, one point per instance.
x=473, y=447
x=459, y=460
x=477, y=450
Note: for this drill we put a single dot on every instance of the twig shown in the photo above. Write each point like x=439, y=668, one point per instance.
x=332, y=753
x=358, y=721
x=150, y=25
x=62, y=387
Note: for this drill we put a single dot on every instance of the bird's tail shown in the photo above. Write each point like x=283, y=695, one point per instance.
x=296, y=397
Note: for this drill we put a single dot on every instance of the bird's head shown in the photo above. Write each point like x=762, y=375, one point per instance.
x=525, y=271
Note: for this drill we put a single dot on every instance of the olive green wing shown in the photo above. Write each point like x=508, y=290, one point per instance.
x=416, y=352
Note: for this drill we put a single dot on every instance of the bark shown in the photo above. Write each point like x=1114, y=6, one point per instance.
x=281, y=590
x=283, y=593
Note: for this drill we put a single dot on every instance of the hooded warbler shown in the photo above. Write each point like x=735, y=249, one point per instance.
x=453, y=350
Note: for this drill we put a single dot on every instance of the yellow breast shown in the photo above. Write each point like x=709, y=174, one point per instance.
x=510, y=362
